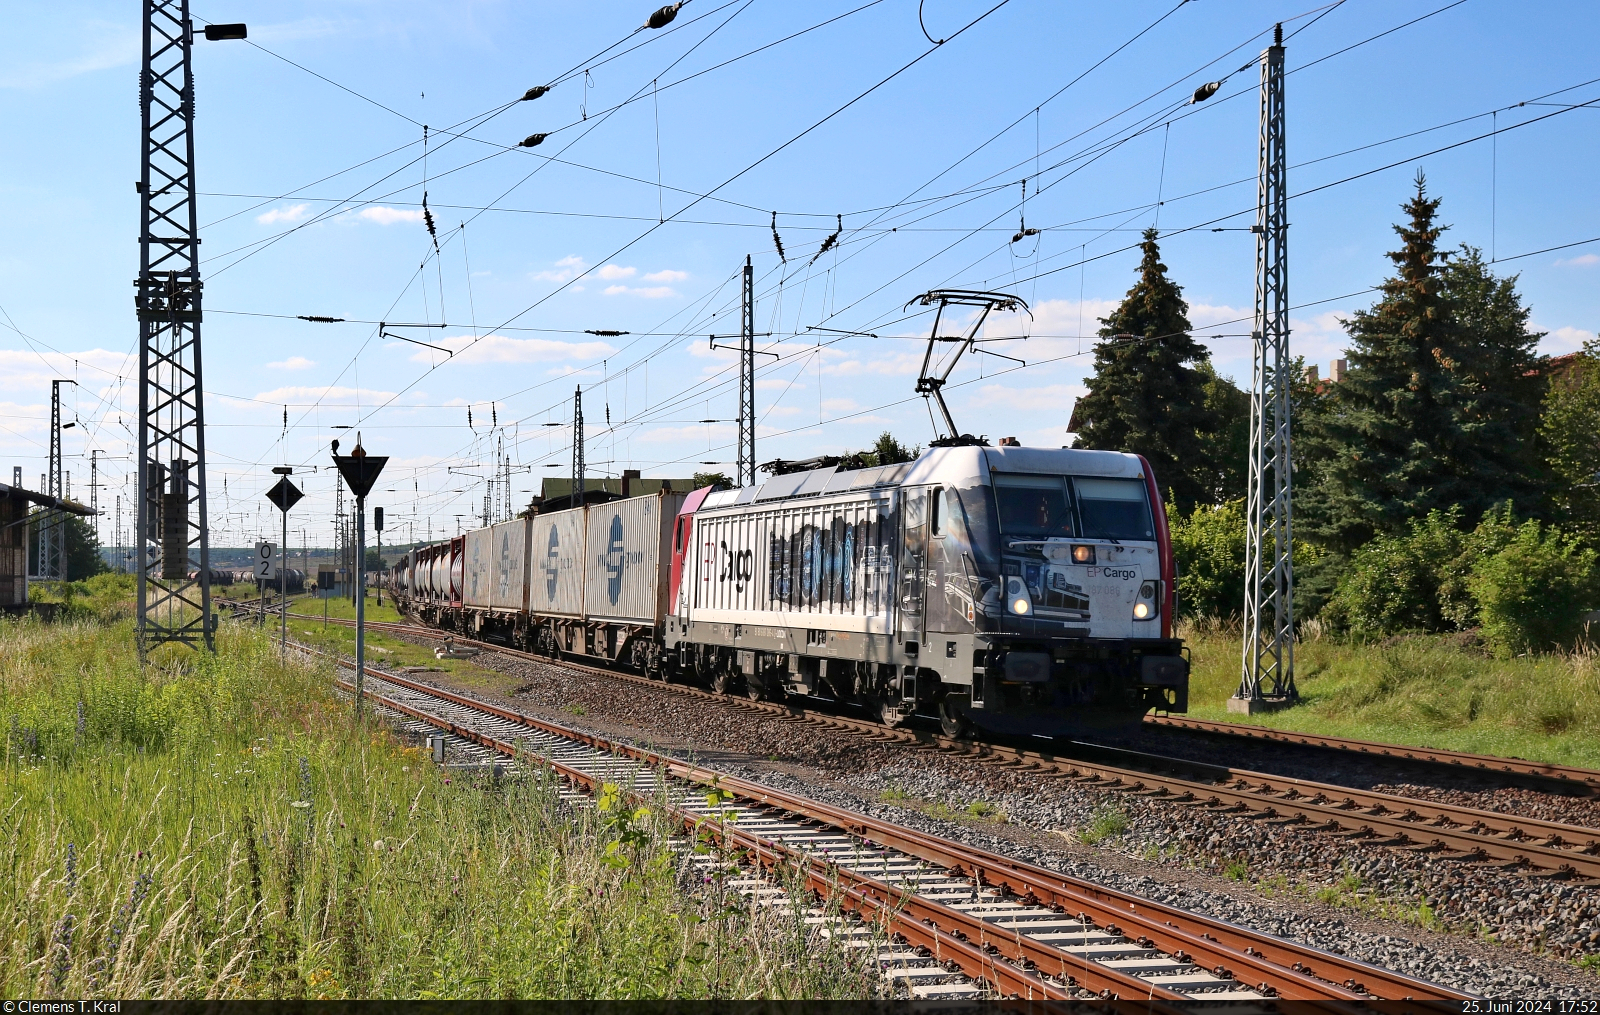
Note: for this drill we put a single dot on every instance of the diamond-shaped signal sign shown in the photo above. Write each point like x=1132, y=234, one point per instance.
x=285, y=494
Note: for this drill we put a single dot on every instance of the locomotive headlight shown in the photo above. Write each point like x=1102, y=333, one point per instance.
x=1017, y=593
x=1083, y=554
x=1146, y=606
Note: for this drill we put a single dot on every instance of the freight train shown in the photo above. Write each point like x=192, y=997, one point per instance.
x=293, y=578
x=1024, y=591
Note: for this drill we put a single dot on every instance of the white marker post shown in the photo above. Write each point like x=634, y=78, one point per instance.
x=266, y=569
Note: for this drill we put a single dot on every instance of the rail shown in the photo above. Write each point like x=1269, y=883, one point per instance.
x=1586, y=778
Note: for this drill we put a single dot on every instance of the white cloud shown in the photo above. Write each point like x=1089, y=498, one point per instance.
x=501, y=349
x=691, y=435
x=1050, y=398
x=666, y=275
x=293, y=363
x=384, y=215
x=1582, y=261
x=905, y=364
x=293, y=213
x=331, y=395
x=25, y=370
x=615, y=271
x=657, y=292
x=1563, y=340
x=111, y=45
x=566, y=269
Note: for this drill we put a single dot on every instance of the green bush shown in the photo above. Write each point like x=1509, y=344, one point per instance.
x=1527, y=587
x=1532, y=593
x=1209, y=548
x=1398, y=583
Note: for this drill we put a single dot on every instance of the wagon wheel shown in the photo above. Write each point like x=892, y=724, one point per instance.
x=885, y=709
x=722, y=681
x=953, y=721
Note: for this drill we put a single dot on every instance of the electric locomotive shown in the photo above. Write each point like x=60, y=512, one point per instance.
x=1021, y=590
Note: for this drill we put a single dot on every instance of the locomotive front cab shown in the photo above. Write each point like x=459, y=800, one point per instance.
x=1074, y=626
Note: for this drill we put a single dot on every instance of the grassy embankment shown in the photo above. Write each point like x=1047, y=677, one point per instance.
x=218, y=827
x=1425, y=690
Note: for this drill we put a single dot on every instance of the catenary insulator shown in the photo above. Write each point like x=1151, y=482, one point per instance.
x=663, y=17
x=532, y=141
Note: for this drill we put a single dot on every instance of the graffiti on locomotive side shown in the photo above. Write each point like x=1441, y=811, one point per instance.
x=822, y=563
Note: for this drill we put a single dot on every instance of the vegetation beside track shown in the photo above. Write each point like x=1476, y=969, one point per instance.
x=218, y=827
x=1438, y=691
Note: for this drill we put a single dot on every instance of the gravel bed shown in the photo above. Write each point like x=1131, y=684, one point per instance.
x=1472, y=927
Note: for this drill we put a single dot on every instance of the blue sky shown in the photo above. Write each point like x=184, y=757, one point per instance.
x=312, y=205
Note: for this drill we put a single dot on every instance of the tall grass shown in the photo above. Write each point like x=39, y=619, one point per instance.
x=1427, y=690
x=218, y=828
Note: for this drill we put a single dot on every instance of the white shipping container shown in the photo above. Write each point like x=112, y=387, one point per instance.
x=555, y=561
x=508, y=585
x=626, y=554
x=478, y=568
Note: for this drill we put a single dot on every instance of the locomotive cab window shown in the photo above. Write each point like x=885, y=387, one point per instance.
x=1114, y=508
x=677, y=536
x=936, y=511
x=1033, y=507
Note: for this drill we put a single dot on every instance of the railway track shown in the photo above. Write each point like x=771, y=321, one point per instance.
x=1528, y=846
x=1017, y=929
x=1584, y=779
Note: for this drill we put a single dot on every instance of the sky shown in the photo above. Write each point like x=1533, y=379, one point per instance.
x=925, y=144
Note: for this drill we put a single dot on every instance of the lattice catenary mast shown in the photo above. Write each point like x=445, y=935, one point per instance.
x=1268, y=658
x=747, y=379
x=577, y=446
x=172, y=536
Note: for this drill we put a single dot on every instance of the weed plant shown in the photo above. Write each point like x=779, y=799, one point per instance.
x=218, y=827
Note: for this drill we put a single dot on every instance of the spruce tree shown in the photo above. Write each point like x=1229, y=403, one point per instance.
x=1423, y=420
x=1147, y=395
x=1503, y=379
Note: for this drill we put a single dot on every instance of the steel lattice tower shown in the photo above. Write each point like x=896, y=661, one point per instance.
x=747, y=379
x=172, y=536
x=52, y=526
x=1268, y=663
x=577, y=447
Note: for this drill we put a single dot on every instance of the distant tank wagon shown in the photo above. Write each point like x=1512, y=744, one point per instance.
x=1021, y=590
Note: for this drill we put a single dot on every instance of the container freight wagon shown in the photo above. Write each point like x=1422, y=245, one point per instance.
x=588, y=582
x=495, y=568
x=435, y=579
x=1022, y=590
